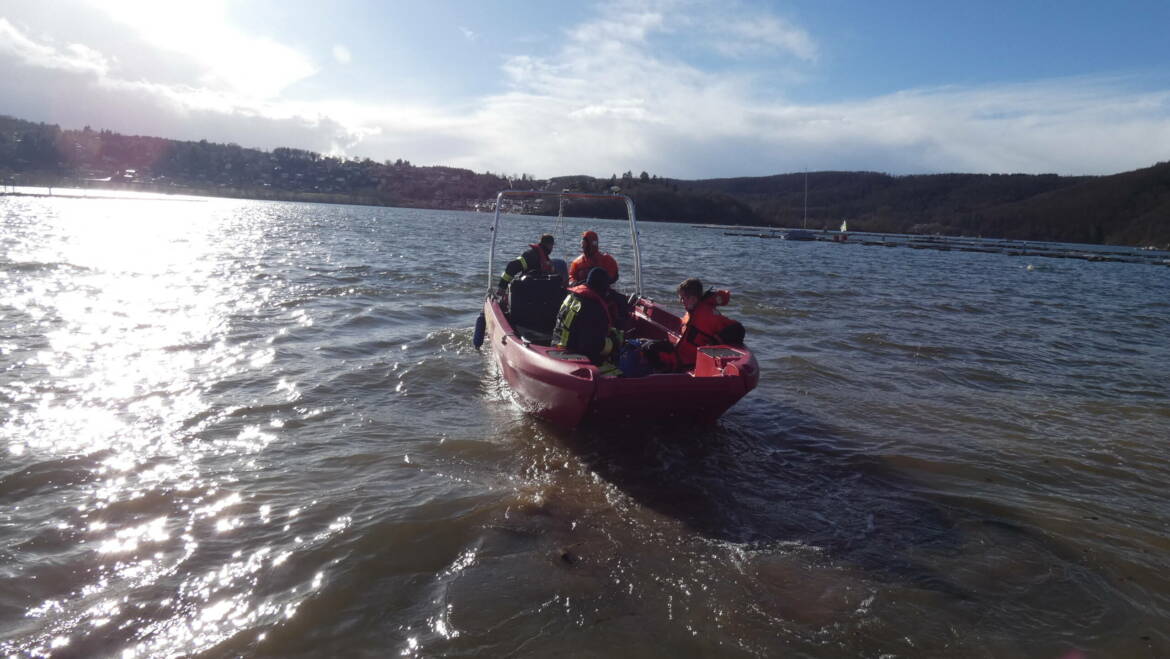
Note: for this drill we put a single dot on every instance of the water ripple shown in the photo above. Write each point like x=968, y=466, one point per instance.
x=261, y=429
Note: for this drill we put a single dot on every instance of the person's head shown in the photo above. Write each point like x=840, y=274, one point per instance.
x=589, y=243
x=598, y=280
x=546, y=243
x=690, y=292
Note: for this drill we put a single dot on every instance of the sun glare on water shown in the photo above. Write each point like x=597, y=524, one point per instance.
x=127, y=292
x=130, y=306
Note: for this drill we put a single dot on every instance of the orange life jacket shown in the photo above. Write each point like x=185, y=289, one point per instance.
x=581, y=266
x=545, y=264
x=701, y=326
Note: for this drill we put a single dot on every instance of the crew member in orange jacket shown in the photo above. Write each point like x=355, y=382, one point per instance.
x=591, y=257
x=703, y=324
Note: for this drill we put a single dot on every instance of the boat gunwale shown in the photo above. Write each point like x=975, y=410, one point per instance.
x=744, y=355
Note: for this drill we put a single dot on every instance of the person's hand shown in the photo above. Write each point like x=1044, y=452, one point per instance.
x=618, y=336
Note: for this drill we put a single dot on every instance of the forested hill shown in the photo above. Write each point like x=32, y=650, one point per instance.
x=1129, y=208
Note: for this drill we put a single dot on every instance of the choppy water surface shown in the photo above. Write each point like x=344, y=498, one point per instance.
x=241, y=428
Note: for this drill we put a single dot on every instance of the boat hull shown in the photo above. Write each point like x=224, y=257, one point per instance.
x=567, y=390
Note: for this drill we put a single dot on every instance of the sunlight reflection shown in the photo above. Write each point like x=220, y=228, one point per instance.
x=140, y=285
x=128, y=539
x=135, y=307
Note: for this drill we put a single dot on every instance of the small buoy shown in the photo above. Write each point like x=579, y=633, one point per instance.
x=480, y=329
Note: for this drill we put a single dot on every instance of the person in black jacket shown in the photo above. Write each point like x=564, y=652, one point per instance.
x=534, y=259
x=584, y=325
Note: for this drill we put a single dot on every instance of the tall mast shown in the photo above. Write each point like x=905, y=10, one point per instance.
x=806, y=198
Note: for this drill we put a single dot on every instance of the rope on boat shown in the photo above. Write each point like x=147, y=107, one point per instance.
x=559, y=227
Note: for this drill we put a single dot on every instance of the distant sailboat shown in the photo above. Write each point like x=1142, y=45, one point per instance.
x=841, y=235
x=805, y=225
x=803, y=233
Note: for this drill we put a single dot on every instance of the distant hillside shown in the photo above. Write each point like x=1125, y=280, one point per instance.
x=1124, y=209
x=1129, y=208
x=880, y=202
x=41, y=153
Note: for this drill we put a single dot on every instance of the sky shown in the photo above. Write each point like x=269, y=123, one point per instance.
x=677, y=88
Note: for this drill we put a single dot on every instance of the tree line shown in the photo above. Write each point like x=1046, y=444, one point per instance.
x=1128, y=208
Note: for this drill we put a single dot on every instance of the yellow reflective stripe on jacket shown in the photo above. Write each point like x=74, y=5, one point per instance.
x=506, y=277
x=571, y=306
x=523, y=263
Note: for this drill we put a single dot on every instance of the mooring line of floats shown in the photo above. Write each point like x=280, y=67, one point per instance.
x=1010, y=248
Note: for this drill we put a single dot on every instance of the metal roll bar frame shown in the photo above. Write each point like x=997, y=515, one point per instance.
x=493, y=276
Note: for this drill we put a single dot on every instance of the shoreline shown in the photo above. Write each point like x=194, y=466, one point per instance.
x=729, y=229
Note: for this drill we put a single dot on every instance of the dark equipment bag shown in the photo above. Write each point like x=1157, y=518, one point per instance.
x=533, y=302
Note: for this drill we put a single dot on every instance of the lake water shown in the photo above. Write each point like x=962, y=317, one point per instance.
x=241, y=428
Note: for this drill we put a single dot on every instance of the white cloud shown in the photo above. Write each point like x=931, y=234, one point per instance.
x=341, y=54
x=76, y=58
x=620, y=23
x=468, y=33
x=762, y=35
x=230, y=59
x=614, y=95
x=1069, y=126
x=610, y=100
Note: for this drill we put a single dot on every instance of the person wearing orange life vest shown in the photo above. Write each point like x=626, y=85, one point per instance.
x=591, y=257
x=703, y=324
x=584, y=324
x=534, y=259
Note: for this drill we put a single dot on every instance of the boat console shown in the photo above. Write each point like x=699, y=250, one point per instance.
x=533, y=302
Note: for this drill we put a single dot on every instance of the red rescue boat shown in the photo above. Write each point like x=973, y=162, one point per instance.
x=567, y=389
